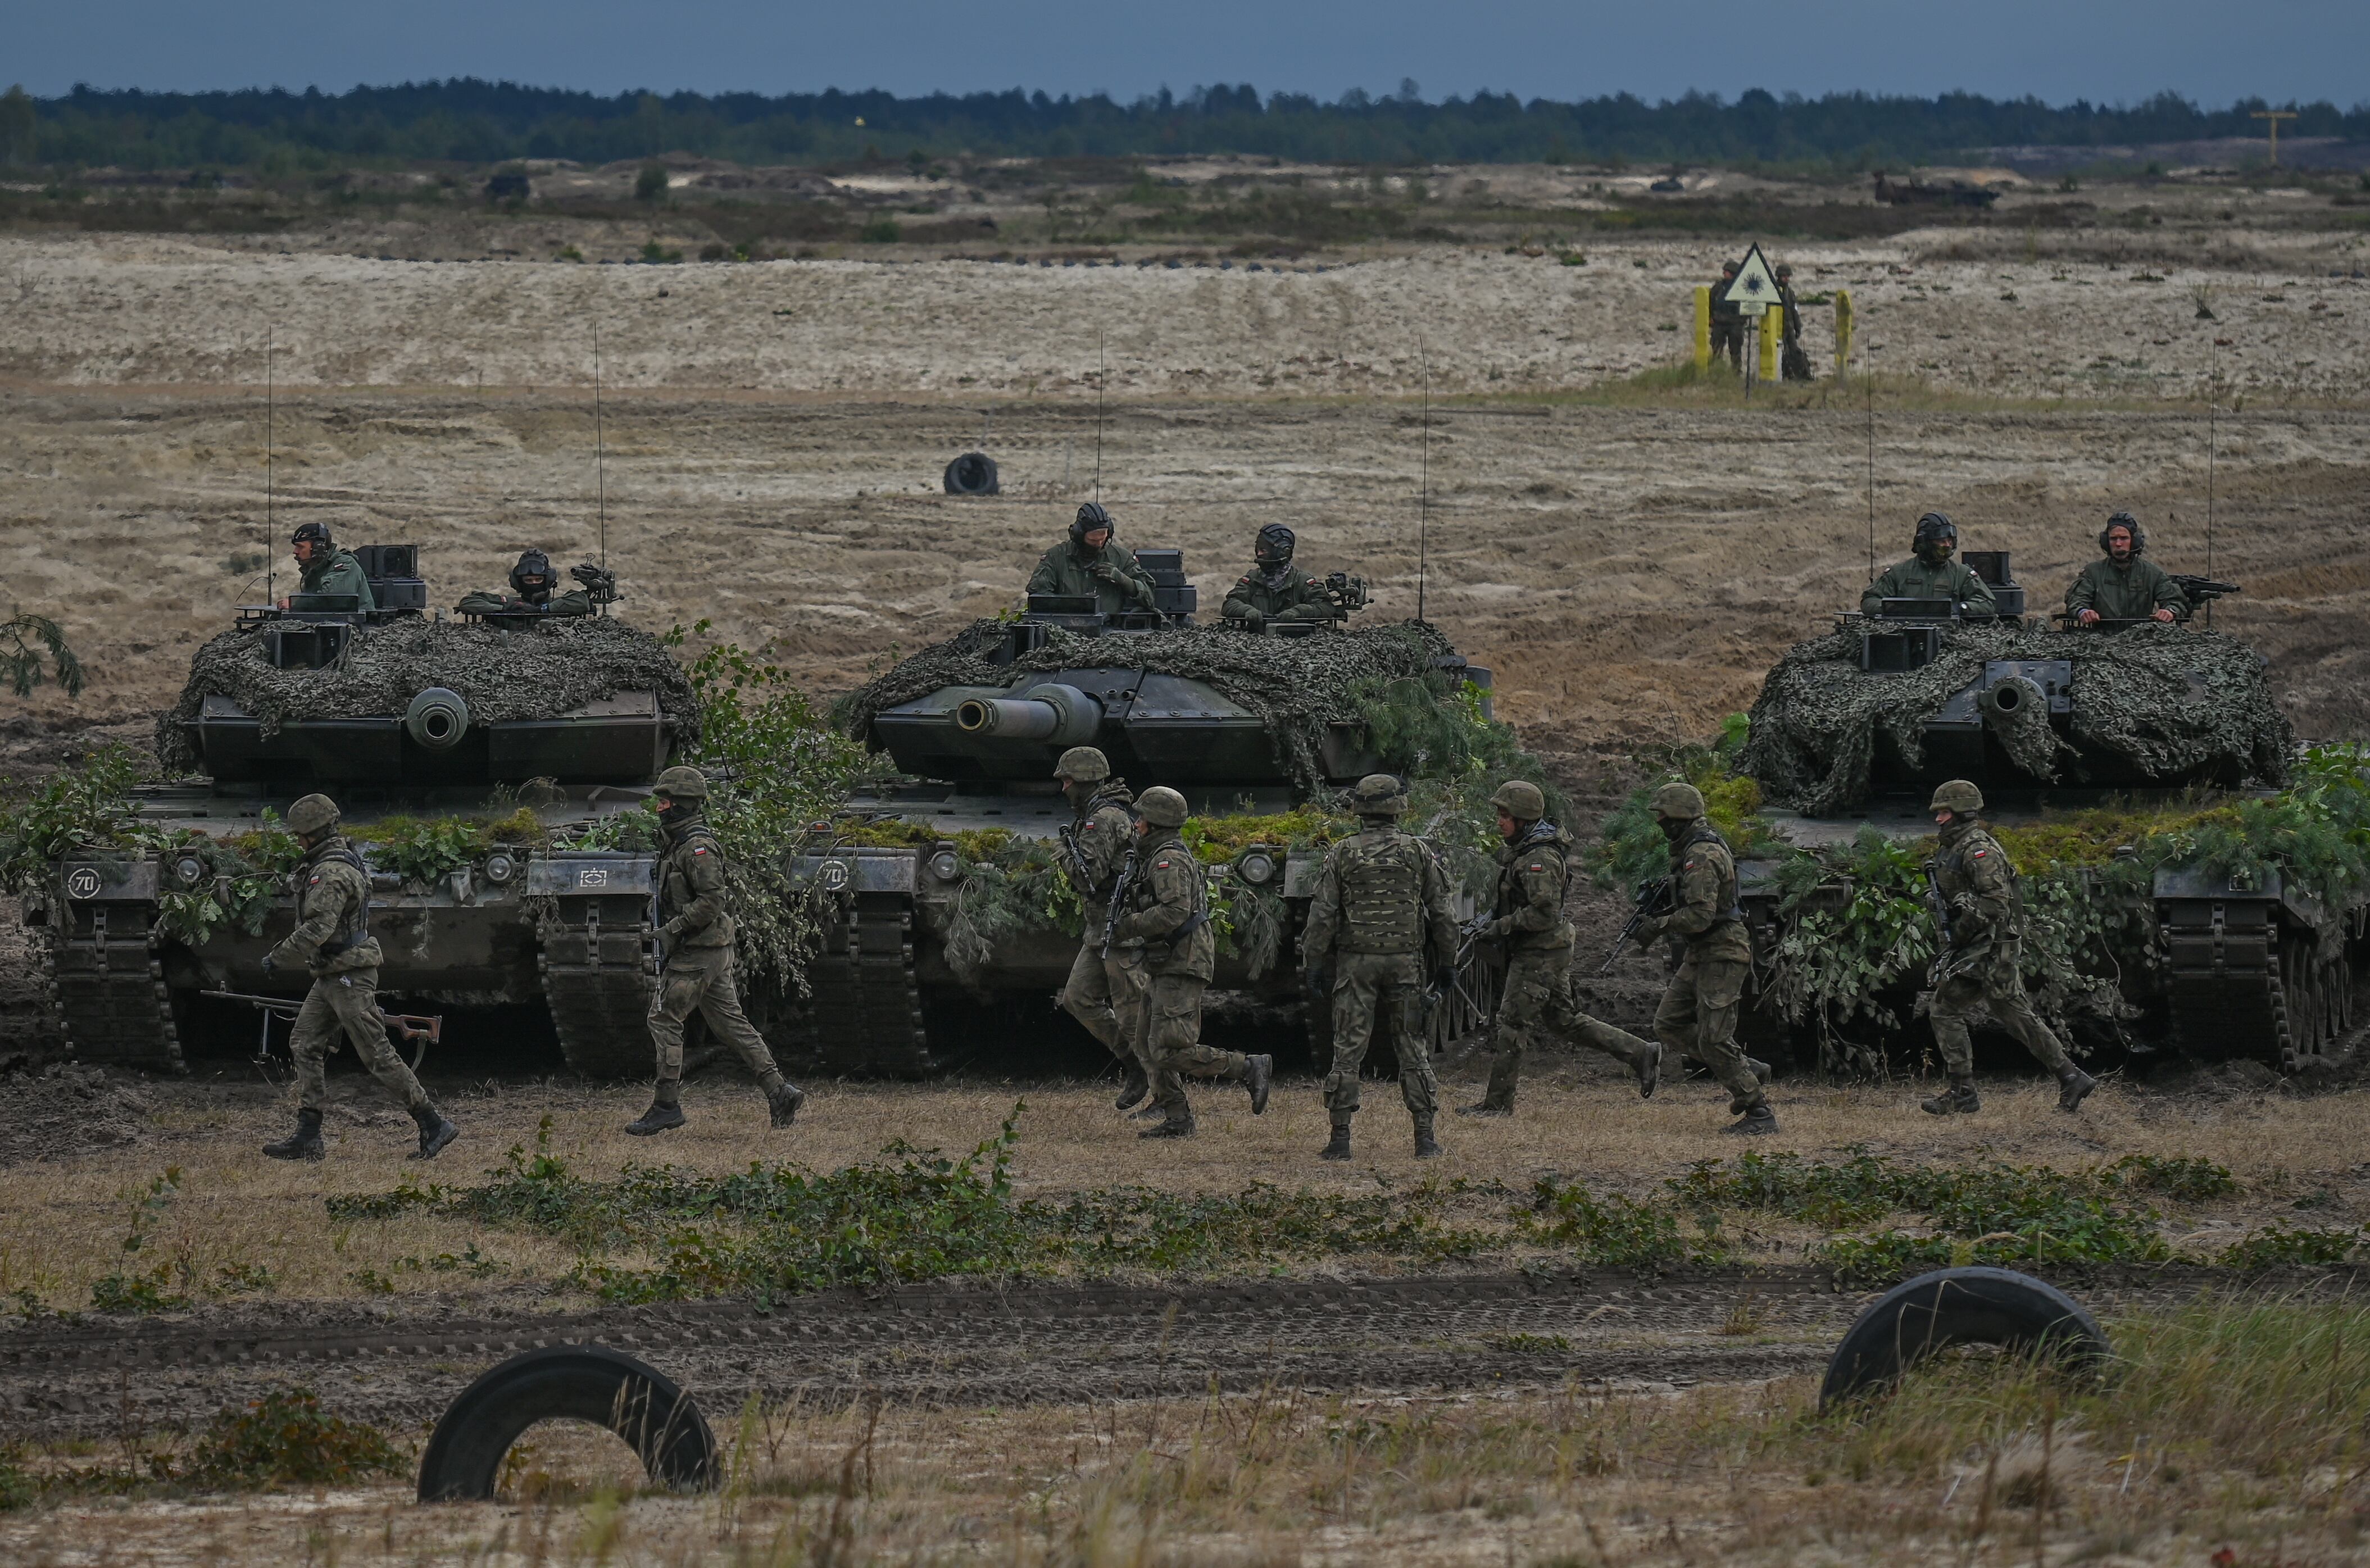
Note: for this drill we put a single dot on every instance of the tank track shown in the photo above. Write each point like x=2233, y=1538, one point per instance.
x=863, y=1015
x=109, y=987
x=2268, y=992
x=597, y=981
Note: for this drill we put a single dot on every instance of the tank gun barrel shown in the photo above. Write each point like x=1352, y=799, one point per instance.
x=1063, y=714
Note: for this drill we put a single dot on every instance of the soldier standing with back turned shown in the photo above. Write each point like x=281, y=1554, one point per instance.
x=1698, y=1017
x=1094, y=848
x=1382, y=904
x=697, y=937
x=1727, y=320
x=1980, y=968
x=1160, y=933
x=1532, y=871
x=332, y=939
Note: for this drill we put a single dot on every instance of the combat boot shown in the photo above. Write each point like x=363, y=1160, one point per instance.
x=1131, y=1093
x=304, y=1143
x=1259, y=1073
x=1959, y=1100
x=1650, y=1071
x=435, y=1132
x=2073, y=1086
x=1759, y=1121
x=1339, y=1149
x=666, y=1111
x=782, y=1103
x=1152, y=1113
x=1180, y=1124
x=1426, y=1146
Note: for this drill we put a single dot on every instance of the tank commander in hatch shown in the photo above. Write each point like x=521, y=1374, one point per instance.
x=1930, y=573
x=532, y=585
x=1092, y=560
x=2122, y=586
x=1274, y=589
x=325, y=568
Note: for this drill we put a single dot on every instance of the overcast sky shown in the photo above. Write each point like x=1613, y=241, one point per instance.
x=2106, y=51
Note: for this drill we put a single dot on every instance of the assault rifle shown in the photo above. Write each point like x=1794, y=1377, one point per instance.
x=1653, y=898
x=1941, y=910
x=426, y=1030
x=2202, y=591
x=1117, y=897
x=1076, y=855
x=1346, y=594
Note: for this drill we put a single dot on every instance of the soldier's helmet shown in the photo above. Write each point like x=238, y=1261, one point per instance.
x=1959, y=795
x=1273, y=546
x=1677, y=803
x=1378, y=795
x=681, y=783
x=531, y=580
x=1783, y=271
x=1521, y=801
x=311, y=533
x=2129, y=524
x=1090, y=517
x=1730, y=269
x=313, y=814
x=1083, y=764
x=1934, y=525
x=1161, y=806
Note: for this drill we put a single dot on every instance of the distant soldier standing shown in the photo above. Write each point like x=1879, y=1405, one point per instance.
x=1727, y=320
x=1274, y=589
x=332, y=940
x=1980, y=967
x=1528, y=918
x=1160, y=933
x=1094, y=848
x=2124, y=587
x=697, y=937
x=1698, y=1017
x=322, y=568
x=1930, y=573
x=1794, y=364
x=1382, y=904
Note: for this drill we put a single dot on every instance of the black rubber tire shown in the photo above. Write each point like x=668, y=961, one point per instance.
x=1959, y=1305
x=586, y=1383
x=972, y=473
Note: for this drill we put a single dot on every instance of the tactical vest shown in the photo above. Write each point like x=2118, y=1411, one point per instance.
x=677, y=893
x=1951, y=864
x=1731, y=908
x=1382, y=894
x=357, y=927
x=1540, y=840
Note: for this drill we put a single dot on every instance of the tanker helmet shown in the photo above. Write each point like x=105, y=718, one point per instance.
x=311, y=533
x=682, y=784
x=1521, y=801
x=313, y=814
x=1934, y=525
x=1274, y=545
x=2129, y=523
x=1090, y=517
x=1161, y=806
x=531, y=580
x=1678, y=803
x=1959, y=795
x=1083, y=764
x=1378, y=795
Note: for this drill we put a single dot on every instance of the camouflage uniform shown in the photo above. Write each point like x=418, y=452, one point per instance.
x=1069, y=568
x=485, y=601
x=1698, y=1017
x=698, y=936
x=1382, y=902
x=1727, y=322
x=1982, y=971
x=1918, y=577
x=1101, y=834
x=336, y=571
x=1284, y=594
x=2133, y=591
x=1165, y=954
x=332, y=940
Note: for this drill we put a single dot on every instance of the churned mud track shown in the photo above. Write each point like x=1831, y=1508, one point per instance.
x=938, y=1346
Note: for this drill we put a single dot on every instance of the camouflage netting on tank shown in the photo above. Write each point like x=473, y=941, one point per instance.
x=1297, y=686
x=2166, y=702
x=538, y=672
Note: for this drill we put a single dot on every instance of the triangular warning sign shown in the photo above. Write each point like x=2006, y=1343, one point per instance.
x=1754, y=288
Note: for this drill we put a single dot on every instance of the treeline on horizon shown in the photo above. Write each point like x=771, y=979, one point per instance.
x=473, y=122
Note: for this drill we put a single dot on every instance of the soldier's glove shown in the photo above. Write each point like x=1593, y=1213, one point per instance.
x=1649, y=929
x=1475, y=930
x=1253, y=621
x=1104, y=572
x=271, y=965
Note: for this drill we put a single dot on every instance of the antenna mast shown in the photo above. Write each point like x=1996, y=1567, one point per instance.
x=268, y=529
x=1101, y=396
x=2213, y=412
x=1867, y=383
x=1424, y=493
x=600, y=451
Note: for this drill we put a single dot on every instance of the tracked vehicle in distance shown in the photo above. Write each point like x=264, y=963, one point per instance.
x=975, y=726
x=550, y=726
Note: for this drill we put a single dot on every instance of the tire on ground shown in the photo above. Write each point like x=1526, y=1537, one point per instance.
x=1959, y=1305
x=972, y=473
x=585, y=1382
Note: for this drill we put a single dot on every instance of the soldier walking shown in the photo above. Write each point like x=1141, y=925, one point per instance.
x=1159, y=932
x=1095, y=847
x=697, y=937
x=1382, y=904
x=1979, y=970
x=1698, y=1017
x=1528, y=919
x=333, y=940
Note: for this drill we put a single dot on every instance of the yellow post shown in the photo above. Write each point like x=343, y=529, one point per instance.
x=1703, y=327
x=1843, y=332
x=1773, y=332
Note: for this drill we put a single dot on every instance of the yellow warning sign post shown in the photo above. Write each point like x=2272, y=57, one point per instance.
x=1843, y=331
x=1703, y=327
x=1772, y=333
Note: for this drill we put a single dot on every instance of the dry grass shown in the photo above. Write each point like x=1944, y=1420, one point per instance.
x=236, y=1211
